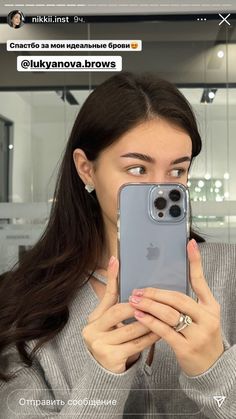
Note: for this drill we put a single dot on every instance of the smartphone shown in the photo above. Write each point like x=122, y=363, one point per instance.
x=153, y=232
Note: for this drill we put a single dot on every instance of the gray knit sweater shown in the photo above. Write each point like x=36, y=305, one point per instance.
x=66, y=381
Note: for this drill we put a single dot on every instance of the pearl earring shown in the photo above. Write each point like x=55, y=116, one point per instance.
x=89, y=188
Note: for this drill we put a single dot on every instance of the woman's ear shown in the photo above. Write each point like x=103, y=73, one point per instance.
x=83, y=166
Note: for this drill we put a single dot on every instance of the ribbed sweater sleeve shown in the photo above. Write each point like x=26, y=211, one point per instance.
x=97, y=393
x=220, y=378
x=65, y=379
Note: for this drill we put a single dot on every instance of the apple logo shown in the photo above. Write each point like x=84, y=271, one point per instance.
x=153, y=252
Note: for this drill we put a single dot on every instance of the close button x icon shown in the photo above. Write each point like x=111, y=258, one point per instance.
x=224, y=19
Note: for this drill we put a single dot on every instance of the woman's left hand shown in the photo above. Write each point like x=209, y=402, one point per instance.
x=199, y=345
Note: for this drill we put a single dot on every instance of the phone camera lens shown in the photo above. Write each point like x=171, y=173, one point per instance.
x=160, y=203
x=160, y=214
x=175, y=211
x=174, y=195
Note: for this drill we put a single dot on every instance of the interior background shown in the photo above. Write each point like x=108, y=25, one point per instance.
x=35, y=121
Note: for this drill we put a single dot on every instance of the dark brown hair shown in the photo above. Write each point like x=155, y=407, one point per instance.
x=35, y=295
x=11, y=15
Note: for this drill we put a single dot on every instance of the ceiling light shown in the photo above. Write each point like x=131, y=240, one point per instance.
x=201, y=183
x=220, y=54
x=208, y=95
x=211, y=95
x=218, y=183
x=67, y=96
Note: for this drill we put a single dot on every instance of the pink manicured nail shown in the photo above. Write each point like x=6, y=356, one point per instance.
x=134, y=299
x=112, y=260
x=138, y=292
x=194, y=243
x=139, y=313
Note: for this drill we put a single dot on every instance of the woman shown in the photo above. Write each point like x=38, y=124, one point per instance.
x=62, y=299
x=15, y=19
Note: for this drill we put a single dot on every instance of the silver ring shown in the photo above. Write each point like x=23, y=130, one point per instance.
x=184, y=321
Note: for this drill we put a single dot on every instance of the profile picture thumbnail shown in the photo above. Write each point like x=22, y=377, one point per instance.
x=15, y=19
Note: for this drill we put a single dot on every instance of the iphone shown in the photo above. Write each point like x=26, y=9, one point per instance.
x=153, y=232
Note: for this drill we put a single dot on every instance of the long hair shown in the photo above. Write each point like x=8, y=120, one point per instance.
x=36, y=293
x=10, y=17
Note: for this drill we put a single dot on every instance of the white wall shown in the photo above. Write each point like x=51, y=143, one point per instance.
x=49, y=137
x=42, y=124
x=18, y=110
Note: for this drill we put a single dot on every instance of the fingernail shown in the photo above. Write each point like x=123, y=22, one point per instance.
x=139, y=313
x=111, y=261
x=194, y=243
x=137, y=292
x=134, y=299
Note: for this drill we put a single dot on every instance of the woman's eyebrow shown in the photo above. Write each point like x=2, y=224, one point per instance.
x=140, y=156
x=181, y=160
x=150, y=159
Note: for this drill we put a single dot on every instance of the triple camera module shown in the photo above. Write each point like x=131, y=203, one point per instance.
x=160, y=204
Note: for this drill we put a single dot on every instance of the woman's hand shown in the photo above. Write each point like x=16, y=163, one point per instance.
x=113, y=344
x=199, y=345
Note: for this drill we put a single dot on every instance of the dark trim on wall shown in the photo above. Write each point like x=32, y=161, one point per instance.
x=83, y=87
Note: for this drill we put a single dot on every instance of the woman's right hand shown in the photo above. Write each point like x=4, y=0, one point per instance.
x=112, y=343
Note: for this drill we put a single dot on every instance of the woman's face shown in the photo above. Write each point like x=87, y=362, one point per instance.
x=167, y=150
x=16, y=19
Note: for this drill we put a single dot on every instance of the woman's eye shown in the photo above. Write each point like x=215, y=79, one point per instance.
x=139, y=170
x=177, y=172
